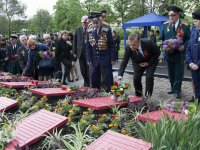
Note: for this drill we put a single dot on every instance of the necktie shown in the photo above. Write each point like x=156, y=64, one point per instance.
x=139, y=54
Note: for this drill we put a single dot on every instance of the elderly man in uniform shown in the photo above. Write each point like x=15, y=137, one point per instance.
x=172, y=29
x=100, y=52
x=193, y=53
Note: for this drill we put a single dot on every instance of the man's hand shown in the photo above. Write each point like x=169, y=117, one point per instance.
x=74, y=55
x=119, y=78
x=193, y=66
x=145, y=64
x=69, y=43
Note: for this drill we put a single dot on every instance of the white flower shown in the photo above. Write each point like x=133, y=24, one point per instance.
x=186, y=111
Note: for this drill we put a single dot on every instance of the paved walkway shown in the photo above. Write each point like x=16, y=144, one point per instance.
x=161, y=87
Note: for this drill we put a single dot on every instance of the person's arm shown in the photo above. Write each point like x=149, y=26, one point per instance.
x=111, y=45
x=20, y=58
x=57, y=52
x=30, y=62
x=74, y=45
x=88, y=49
x=126, y=57
x=155, y=52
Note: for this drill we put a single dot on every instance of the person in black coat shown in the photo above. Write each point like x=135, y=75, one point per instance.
x=12, y=56
x=79, y=49
x=22, y=52
x=63, y=55
x=144, y=54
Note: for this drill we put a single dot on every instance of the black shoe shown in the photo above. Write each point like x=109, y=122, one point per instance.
x=64, y=83
x=170, y=92
x=77, y=78
x=192, y=99
x=178, y=95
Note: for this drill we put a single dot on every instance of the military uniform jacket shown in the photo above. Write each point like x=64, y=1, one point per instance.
x=100, y=44
x=193, y=49
x=168, y=33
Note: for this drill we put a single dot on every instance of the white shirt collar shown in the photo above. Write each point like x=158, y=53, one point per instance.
x=176, y=24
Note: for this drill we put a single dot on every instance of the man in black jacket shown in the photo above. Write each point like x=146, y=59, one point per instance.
x=144, y=54
x=79, y=49
x=22, y=52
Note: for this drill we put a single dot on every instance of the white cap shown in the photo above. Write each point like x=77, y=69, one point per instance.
x=84, y=19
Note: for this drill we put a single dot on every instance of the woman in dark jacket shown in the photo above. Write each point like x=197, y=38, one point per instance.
x=34, y=57
x=63, y=55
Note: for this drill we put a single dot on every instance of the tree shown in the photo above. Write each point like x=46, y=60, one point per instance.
x=40, y=22
x=68, y=14
x=11, y=9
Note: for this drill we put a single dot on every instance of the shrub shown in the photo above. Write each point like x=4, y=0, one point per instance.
x=170, y=134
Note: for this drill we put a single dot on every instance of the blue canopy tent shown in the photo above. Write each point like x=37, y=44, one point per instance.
x=151, y=19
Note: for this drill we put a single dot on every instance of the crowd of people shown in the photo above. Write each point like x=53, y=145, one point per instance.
x=96, y=47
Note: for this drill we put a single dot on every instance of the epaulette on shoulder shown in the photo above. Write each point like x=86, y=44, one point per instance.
x=185, y=23
x=105, y=24
x=104, y=29
x=166, y=22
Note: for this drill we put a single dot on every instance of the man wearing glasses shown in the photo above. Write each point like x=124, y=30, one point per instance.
x=175, y=55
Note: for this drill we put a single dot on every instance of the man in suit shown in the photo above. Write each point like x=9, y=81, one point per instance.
x=79, y=49
x=12, y=56
x=100, y=52
x=22, y=52
x=144, y=54
x=175, y=57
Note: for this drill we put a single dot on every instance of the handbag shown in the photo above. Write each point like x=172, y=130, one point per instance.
x=46, y=63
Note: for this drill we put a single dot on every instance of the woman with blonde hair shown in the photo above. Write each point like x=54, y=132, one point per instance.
x=35, y=54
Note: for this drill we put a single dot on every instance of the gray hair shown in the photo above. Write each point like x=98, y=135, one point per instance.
x=134, y=36
x=33, y=37
x=22, y=37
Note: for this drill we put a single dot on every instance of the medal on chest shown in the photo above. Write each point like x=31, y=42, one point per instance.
x=92, y=40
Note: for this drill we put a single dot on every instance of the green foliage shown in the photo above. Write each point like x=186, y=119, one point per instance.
x=68, y=14
x=11, y=9
x=40, y=23
x=78, y=140
x=53, y=140
x=170, y=134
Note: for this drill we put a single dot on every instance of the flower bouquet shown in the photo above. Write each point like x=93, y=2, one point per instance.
x=172, y=45
x=118, y=89
x=182, y=107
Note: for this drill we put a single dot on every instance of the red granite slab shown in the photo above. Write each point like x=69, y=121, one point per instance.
x=17, y=85
x=32, y=128
x=134, y=99
x=102, y=103
x=154, y=116
x=7, y=103
x=51, y=92
x=116, y=141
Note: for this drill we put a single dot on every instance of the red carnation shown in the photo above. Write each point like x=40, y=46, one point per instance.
x=116, y=83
